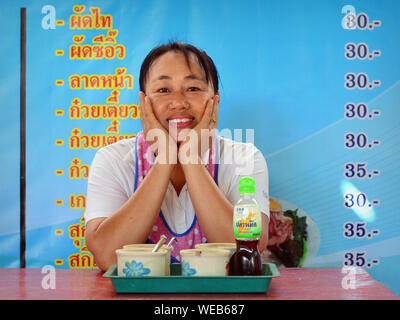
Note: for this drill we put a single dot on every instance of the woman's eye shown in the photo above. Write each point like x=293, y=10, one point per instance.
x=162, y=90
x=193, y=89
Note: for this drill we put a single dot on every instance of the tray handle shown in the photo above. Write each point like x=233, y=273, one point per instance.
x=274, y=270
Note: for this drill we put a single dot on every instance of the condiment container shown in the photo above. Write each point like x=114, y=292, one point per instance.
x=218, y=245
x=140, y=262
x=208, y=262
x=150, y=246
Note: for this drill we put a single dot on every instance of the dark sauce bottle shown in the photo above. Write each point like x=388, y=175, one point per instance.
x=246, y=261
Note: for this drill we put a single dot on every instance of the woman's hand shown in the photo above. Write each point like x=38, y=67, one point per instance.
x=160, y=141
x=198, y=140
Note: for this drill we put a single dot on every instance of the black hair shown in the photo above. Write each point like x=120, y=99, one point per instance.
x=205, y=61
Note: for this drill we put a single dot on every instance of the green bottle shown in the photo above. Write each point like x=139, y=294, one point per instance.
x=247, y=229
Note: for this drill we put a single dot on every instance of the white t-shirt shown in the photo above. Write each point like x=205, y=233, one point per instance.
x=112, y=178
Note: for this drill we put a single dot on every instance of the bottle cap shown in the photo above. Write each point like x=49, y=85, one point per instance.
x=247, y=185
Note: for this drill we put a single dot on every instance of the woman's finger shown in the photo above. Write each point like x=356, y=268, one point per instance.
x=142, y=106
x=143, y=112
x=205, y=121
x=146, y=108
x=214, y=117
x=149, y=109
x=212, y=113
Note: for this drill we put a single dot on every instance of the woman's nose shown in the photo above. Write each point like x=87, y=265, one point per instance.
x=178, y=101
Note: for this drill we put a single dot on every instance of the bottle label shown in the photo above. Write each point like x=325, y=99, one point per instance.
x=247, y=222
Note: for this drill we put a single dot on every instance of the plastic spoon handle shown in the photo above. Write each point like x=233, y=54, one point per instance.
x=159, y=243
x=170, y=241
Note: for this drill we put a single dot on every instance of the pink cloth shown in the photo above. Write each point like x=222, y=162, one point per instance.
x=191, y=237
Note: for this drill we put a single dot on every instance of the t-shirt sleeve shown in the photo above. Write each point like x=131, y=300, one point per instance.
x=248, y=161
x=105, y=191
x=261, y=178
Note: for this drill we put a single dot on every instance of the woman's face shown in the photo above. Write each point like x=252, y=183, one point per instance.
x=179, y=94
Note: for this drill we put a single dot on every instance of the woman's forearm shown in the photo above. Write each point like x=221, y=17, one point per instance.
x=213, y=210
x=131, y=223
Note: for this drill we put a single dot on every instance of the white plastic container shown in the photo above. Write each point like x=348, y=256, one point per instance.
x=150, y=246
x=208, y=262
x=217, y=245
x=142, y=262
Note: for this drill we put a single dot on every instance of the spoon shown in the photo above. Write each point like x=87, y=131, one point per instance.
x=170, y=241
x=159, y=243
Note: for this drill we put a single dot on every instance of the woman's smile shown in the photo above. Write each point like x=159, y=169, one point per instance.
x=181, y=121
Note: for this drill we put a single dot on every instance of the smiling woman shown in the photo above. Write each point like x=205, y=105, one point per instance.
x=172, y=179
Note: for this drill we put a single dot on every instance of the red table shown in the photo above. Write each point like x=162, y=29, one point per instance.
x=298, y=284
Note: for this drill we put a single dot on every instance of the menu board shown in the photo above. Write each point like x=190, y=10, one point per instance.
x=316, y=81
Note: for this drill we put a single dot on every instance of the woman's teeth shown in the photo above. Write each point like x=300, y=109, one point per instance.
x=179, y=120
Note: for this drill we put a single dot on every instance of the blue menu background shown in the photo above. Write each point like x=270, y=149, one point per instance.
x=282, y=70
